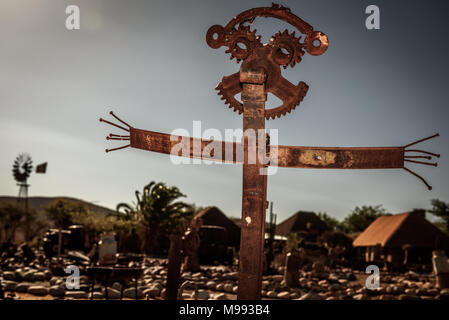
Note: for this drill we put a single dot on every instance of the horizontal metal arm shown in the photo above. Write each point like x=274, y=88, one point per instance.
x=286, y=156
x=281, y=156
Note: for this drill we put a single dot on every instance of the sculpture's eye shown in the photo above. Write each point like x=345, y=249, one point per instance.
x=215, y=36
x=287, y=50
x=241, y=42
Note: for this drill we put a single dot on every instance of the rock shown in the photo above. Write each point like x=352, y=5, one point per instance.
x=19, y=274
x=272, y=294
x=163, y=291
x=277, y=277
x=23, y=287
x=335, y=287
x=311, y=296
x=29, y=275
x=117, y=286
x=408, y=297
x=284, y=295
x=131, y=293
x=38, y=290
x=39, y=276
x=186, y=296
x=197, y=275
x=433, y=292
x=211, y=285
x=76, y=294
x=235, y=289
x=112, y=293
x=152, y=292
x=9, y=275
x=85, y=287
x=9, y=285
x=220, y=287
x=294, y=295
x=202, y=294
x=96, y=295
x=221, y=296
x=410, y=291
x=323, y=282
x=358, y=297
x=48, y=274
x=228, y=287
x=318, y=267
x=233, y=275
x=53, y=280
x=147, y=271
x=57, y=291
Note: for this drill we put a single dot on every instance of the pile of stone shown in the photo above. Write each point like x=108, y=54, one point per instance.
x=221, y=282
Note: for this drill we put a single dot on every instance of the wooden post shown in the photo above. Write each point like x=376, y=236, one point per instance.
x=174, y=266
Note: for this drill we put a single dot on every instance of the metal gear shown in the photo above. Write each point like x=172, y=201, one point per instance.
x=241, y=42
x=283, y=50
x=285, y=42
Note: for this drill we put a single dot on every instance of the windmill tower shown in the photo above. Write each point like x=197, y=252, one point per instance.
x=21, y=170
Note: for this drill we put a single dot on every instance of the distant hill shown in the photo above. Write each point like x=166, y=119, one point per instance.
x=39, y=204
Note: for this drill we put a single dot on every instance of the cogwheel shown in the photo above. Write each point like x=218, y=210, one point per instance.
x=289, y=104
x=241, y=42
x=228, y=88
x=287, y=50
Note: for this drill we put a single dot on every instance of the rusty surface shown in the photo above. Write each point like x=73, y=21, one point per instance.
x=284, y=49
x=288, y=156
x=254, y=191
x=260, y=73
x=283, y=156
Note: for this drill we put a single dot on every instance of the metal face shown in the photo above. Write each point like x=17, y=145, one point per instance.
x=284, y=49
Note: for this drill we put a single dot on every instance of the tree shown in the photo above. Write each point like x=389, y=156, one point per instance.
x=157, y=209
x=360, y=218
x=32, y=226
x=331, y=222
x=441, y=210
x=14, y=218
x=11, y=217
x=62, y=212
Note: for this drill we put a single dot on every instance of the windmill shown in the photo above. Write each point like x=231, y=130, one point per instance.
x=21, y=170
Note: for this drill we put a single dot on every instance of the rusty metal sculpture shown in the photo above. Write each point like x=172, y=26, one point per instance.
x=260, y=74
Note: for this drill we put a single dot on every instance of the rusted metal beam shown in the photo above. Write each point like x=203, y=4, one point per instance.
x=254, y=189
x=287, y=156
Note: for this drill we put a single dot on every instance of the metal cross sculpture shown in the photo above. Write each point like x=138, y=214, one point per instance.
x=259, y=74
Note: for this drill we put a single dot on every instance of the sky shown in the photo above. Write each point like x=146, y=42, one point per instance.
x=149, y=62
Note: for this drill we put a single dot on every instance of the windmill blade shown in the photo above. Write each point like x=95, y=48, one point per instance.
x=41, y=168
